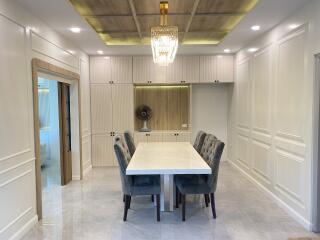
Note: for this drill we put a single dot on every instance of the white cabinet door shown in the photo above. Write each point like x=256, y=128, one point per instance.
x=170, y=137
x=154, y=137
x=184, y=137
x=140, y=137
x=208, y=69
x=121, y=69
x=102, y=150
x=101, y=108
x=191, y=69
x=158, y=73
x=142, y=69
x=175, y=71
x=122, y=107
x=100, y=70
x=225, y=68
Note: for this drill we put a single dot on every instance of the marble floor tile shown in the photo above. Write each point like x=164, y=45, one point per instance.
x=92, y=209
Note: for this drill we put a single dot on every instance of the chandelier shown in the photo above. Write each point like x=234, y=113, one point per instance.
x=164, y=39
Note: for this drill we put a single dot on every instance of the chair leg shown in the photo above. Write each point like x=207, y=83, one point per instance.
x=123, y=198
x=183, y=199
x=213, y=206
x=126, y=204
x=206, y=199
x=152, y=198
x=129, y=202
x=158, y=207
x=180, y=198
x=177, y=197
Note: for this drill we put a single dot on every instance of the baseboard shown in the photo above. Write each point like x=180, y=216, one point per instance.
x=294, y=214
x=88, y=169
x=26, y=228
x=76, y=177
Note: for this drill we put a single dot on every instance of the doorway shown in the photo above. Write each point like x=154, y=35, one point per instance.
x=55, y=136
x=65, y=88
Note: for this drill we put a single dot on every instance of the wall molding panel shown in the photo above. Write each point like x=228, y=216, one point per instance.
x=270, y=132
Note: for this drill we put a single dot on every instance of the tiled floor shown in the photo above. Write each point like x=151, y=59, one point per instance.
x=92, y=209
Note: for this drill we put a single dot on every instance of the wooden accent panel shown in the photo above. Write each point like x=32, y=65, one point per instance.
x=169, y=104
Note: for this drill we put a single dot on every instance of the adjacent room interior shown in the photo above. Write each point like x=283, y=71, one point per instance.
x=149, y=119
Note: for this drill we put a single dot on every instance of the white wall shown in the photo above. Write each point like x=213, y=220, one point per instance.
x=22, y=38
x=270, y=124
x=210, y=105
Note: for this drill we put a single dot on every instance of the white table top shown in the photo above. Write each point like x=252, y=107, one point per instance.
x=167, y=158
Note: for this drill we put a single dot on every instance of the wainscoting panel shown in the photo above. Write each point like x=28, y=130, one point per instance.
x=102, y=150
x=243, y=99
x=270, y=130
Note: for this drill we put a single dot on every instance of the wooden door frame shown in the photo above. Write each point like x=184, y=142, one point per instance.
x=40, y=66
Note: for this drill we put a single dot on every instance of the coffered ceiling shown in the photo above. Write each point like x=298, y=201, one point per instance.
x=128, y=22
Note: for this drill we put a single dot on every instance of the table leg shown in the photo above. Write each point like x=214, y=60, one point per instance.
x=166, y=193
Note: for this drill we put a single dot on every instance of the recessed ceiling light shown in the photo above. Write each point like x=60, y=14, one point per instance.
x=100, y=52
x=255, y=28
x=75, y=29
x=252, y=49
x=293, y=26
x=227, y=50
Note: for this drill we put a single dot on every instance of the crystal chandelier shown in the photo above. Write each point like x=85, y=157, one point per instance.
x=164, y=39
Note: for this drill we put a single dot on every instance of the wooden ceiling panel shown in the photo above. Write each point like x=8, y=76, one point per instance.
x=214, y=23
x=203, y=38
x=101, y=7
x=225, y=6
x=113, y=24
x=146, y=22
x=152, y=6
x=128, y=22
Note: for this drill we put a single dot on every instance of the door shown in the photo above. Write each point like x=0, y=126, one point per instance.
x=225, y=68
x=121, y=69
x=142, y=69
x=175, y=71
x=170, y=137
x=208, y=69
x=184, y=137
x=65, y=134
x=122, y=108
x=191, y=71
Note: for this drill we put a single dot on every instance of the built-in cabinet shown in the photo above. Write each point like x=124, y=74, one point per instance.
x=112, y=82
x=217, y=68
x=184, y=69
x=172, y=136
x=111, y=69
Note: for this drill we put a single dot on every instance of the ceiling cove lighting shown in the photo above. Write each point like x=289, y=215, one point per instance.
x=164, y=39
x=100, y=52
x=255, y=28
x=252, y=49
x=227, y=50
x=75, y=29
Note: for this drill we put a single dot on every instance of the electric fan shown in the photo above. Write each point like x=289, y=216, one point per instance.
x=144, y=113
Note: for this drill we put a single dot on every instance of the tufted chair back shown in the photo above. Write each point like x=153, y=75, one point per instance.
x=208, y=143
x=214, y=162
x=123, y=157
x=130, y=142
x=119, y=139
x=199, y=141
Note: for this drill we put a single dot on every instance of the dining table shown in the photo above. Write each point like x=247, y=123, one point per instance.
x=166, y=159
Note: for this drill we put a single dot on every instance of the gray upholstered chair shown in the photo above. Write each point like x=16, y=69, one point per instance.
x=199, y=141
x=207, y=142
x=202, y=184
x=130, y=142
x=135, y=185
